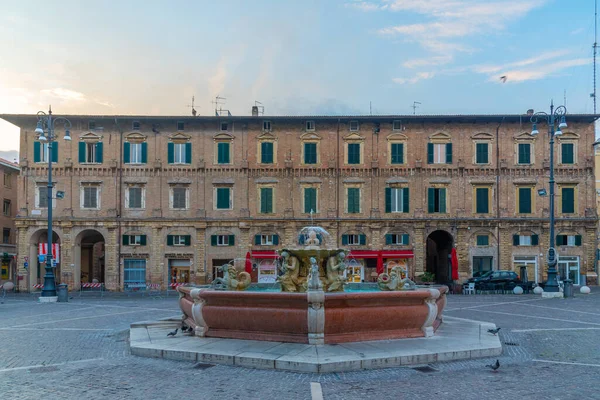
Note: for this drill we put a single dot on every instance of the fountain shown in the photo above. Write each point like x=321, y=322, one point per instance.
x=312, y=306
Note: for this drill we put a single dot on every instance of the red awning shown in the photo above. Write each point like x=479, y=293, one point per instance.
x=397, y=253
x=265, y=254
x=364, y=254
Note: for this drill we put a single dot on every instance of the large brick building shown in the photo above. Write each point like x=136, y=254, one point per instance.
x=8, y=246
x=162, y=199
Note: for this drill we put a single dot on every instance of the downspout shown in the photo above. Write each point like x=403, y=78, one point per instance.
x=120, y=205
x=337, y=184
x=498, y=194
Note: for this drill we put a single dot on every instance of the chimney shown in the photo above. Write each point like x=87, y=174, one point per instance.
x=530, y=111
x=255, y=111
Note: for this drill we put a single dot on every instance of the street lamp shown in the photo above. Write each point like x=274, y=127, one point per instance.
x=555, y=116
x=45, y=130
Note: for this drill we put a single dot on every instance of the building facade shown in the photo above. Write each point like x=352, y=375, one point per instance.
x=167, y=200
x=8, y=246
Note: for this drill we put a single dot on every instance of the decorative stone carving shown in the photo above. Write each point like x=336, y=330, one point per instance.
x=290, y=266
x=431, y=304
x=335, y=267
x=396, y=280
x=232, y=280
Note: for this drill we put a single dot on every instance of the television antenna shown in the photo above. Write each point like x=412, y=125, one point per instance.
x=260, y=107
x=595, y=46
x=218, y=102
x=414, y=107
x=194, y=112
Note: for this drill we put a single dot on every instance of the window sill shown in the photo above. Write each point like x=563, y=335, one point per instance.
x=180, y=163
x=130, y=163
x=90, y=163
x=88, y=209
x=179, y=209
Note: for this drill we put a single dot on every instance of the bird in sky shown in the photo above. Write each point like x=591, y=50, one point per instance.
x=173, y=333
x=494, y=331
x=494, y=366
x=503, y=78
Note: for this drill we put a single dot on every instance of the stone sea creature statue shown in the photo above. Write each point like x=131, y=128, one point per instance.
x=394, y=280
x=314, y=283
x=335, y=268
x=232, y=279
x=290, y=268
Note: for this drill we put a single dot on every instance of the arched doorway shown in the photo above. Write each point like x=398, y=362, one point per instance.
x=439, y=247
x=89, y=257
x=38, y=243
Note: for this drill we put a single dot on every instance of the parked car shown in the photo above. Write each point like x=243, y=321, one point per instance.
x=497, y=277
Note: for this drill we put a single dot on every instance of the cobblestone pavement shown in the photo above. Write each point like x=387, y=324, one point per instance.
x=80, y=350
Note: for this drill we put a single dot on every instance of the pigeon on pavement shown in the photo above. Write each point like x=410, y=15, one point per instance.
x=494, y=331
x=494, y=366
x=173, y=333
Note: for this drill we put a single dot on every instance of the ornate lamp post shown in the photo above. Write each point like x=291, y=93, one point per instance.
x=556, y=115
x=45, y=130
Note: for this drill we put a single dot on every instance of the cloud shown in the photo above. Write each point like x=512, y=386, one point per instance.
x=424, y=62
x=216, y=83
x=63, y=94
x=418, y=77
x=366, y=6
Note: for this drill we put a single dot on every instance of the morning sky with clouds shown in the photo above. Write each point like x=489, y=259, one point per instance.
x=296, y=57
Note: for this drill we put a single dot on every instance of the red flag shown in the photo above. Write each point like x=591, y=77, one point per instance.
x=248, y=267
x=454, y=261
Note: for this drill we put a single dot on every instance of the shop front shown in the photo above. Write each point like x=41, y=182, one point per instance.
x=265, y=264
x=366, y=265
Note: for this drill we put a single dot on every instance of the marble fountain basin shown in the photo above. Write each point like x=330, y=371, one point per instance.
x=314, y=317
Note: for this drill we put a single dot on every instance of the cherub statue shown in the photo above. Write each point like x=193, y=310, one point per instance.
x=290, y=268
x=336, y=266
x=312, y=240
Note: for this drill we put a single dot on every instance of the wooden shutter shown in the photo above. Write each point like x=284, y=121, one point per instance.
x=442, y=193
x=388, y=200
x=170, y=152
x=405, y=199
x=125, y=240
x=397, y=153
x=188, y=153
x=187, y=240
x=577, y=240
x=344, y=240
x=310, y=200
x=429, y=153
x=525, y=200
x=37, y=150
x=388, y=239
x=126, y=152
x=223, y=198
x=567, y=153
x=405, y=238
x=568, y=200
x=82, y=148
x=54, y=152
x=231, y=240
x=275, y=240
x=266, y=153
x=353, y=153
x=524, y=153
x=516, y=240
x=430, y=200
x=223, y=153
x=353, y=200
x=561, y=240
x=213, y=240
x=169, y=240
x=144, y=153
x=482, y=200
x=362, y=239
x=257, y=240
x=534, y=240
x=99, y=155
x=448, y=153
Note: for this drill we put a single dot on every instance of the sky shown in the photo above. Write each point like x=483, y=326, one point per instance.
x=296, y=57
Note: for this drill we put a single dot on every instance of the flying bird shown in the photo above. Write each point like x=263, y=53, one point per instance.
x=494, y=331
x=173, y=333
x=503, y=78
x=494, y=366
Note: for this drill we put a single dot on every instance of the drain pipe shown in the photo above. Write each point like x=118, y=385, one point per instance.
x=120, y=194
x=498, y=194
x=337, y=178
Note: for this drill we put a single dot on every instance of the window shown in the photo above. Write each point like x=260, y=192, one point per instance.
x=266, y=240
x=180, y=126
x=91, y=125
x=223, y=153
x=397, y=153
x=267, y=126
x=224, y=126
x=40, y=152
x=179, y=199
x=397, y=125
x=135, y=197
x=483, y=240
x=567, y=151
x=353, y=153
x=567, y=200
x=42, y=198
x=266, y=152
x=396, y=200
x=310, y=200
x=134, y=271
x=568, y=240
x=90, y=197
x=524, y=153
x=266, y=200
x=90, y=152
x=439, y=153
x=6, y=235
x=396, y=239
x=179, y=153
x=222, y=240
x=482, y=200
x=135, y=153
x=354, y=240
x=178, y=240
x=134, y=240
x=524, y=200
x=354, y=126
x=481, y=153
x=223, y=198
x=135, y=125
x=353, y=196
x=7, y=179
x=310, y=125
x=525, y=240
x=310, y=153
x=436, y=200
x=6, y=208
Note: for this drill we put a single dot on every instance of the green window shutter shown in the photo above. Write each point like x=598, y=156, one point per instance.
x=353, y=200
x=515, y=240
x=483, y=240
x=169, y=240
x=577, y=240
x=81, y=152
x=405, y=238
x=482, y=201
x=561, y=240
x=353, y=153
x=429, y=153
x=266, y=153
x=55, y=152
x=524, y=200
x=222, y=198
x=442, y=201
x=187, y=240
x=213, y=240
x=568, y=200
x=188, y=153
x=310, y=153
x=448, y=153
x=223, y=153
x=144, y=153
x=275, y=240
x=481, y=156
x=344, y=240
x=257, y=240
x=430, y=200
x=405, y=200
x=170, y=152
x=125, y=240
x=126, y=152
x=37, y=150
x=143, y=240
x=99, y=151
x=310, y=199
x=567, y=153
x=535, y=240
x=231, y=240
x=362, y=239
x=388, y=200
x=266, y=200
x=388, y=239
x=524, y=153
x=397, y=153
